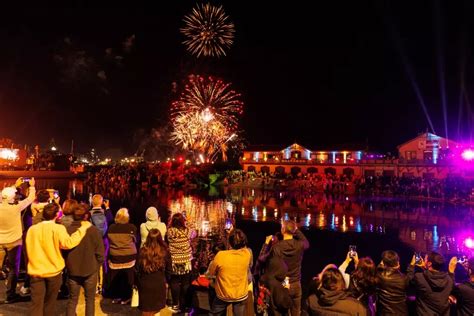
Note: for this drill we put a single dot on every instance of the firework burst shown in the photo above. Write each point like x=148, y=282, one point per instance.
x=205, y=118
x=208, y=31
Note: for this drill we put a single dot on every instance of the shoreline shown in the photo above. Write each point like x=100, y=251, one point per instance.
x=15, y=174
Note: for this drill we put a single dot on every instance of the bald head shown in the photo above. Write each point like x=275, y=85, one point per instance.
x=97, y=200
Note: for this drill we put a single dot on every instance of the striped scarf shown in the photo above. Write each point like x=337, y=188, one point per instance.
x=180, y=250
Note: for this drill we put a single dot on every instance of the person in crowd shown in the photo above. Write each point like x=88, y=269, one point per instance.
x=432, y=285
x=230, y=269
x=123, y=251
x=152, y=261
x=274, y=279
x=330, y=296
x=392, y=286
x=11, y=241
x=68, y=212
x=152, y=221
x=42, y=199
x=464, y=292
x=102, y=220
x=44, y=242
x=291, y=250
x=91, y=251
x=361, y=283
x=179, y=241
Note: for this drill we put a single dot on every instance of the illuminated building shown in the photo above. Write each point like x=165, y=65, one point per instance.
x=427, y=156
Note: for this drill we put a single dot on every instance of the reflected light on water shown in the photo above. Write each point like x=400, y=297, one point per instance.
x=202, y=216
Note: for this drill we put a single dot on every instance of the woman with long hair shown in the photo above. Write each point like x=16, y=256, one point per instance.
x=152, y=260
x=362, y=282
x=179, y=241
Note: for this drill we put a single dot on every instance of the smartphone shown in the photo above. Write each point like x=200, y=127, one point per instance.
x=228, y=223
x=462, y=259
x=25, y=180
x=56, y=194
x=352, y=250
x=418, y=258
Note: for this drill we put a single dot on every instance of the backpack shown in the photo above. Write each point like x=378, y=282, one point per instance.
x=100, y=221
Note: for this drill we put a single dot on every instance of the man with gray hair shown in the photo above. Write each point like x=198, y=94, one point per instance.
x=11, y=232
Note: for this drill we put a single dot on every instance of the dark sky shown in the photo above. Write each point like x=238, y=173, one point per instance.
x=318, y=72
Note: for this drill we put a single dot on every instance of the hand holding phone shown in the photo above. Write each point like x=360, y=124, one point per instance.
x=352, y=251
x=56, y=194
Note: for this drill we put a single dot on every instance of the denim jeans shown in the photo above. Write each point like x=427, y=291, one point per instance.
x=219, y=307
x=44, y=293
x=13, y=252
x=295, y=294
x=89, y=284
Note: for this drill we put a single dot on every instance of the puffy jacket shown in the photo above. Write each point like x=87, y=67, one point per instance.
x=432, y=291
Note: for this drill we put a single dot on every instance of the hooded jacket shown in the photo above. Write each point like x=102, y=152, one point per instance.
x=464, y=294
x=275, y=274
x=291, y=251
x=432, y=291
x=152, y=221
x=331, y=303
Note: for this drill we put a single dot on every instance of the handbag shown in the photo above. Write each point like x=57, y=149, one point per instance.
x=135, y=301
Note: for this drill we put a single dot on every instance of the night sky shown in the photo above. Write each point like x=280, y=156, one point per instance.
x=320, y=73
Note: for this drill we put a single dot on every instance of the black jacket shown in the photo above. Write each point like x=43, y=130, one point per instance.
x=291, y=251
x=275, y=274
x=332, y=303
x=87, y=257
x=392, y=288
x=432, y=291
x=464, y=294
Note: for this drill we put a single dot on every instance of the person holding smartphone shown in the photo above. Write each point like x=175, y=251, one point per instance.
x=11, y=232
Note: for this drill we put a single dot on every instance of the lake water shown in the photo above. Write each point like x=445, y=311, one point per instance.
x=331, y=223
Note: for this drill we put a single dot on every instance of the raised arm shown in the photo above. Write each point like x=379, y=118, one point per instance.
x=31, y=196
x=300, y=236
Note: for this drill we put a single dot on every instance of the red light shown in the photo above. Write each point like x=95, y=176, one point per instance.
x=180, y=158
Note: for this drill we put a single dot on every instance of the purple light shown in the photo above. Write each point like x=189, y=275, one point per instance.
x=469, y=243
x=468, y=154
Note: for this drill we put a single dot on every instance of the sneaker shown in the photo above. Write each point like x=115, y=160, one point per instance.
x=24, y=291
x=174, y=309
x=116, y=301
x=126, y=302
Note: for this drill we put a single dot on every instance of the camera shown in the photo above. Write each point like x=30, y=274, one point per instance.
x=352, y=250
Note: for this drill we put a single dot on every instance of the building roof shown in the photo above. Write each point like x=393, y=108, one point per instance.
x=426, y=136
x=276, y=148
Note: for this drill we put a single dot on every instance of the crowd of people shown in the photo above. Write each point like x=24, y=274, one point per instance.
x=74, y=245
x=451, y=188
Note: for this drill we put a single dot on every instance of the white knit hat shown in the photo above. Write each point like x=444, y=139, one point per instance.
x=8, y=194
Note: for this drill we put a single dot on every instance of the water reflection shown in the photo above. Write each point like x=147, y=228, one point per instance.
x=423, y=225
